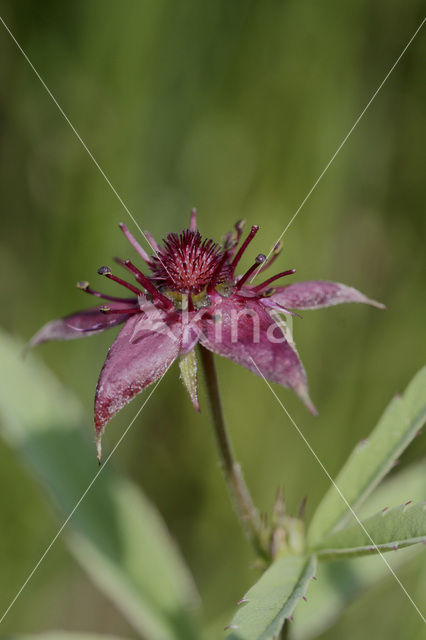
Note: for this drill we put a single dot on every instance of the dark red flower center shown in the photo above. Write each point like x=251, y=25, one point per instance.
x=189, y=270
x=188, y=264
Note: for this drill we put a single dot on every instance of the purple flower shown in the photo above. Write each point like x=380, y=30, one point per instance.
x=193, y=295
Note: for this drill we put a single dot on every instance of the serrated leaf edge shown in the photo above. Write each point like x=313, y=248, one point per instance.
x=394, y=545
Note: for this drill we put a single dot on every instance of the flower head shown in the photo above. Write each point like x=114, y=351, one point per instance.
x=194, y=295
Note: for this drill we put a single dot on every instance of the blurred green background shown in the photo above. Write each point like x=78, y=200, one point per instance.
x=234, y=107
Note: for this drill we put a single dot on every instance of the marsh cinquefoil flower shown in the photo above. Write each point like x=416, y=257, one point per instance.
x=191, y=296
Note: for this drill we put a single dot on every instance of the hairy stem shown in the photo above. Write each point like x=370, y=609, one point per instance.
x=237, y=487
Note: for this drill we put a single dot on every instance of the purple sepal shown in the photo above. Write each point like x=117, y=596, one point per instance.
x=139, y=356
x=315, y=294
x=246, y=333
x=81, y=324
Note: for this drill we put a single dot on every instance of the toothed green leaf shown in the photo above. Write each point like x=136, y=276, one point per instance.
x=408, y=483
x=339, y=583
x=273, y=598
x=115, y=532
x=372, y=459
x=389, y=529
x=343, y=580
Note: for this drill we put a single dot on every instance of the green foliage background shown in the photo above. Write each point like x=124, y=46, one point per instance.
x=233, y=107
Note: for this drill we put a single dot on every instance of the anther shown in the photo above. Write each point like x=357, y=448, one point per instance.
x=260, y=259
x=145, y=282
x=232, y=238
x=244, y=246
x=239, y=227
x=106, y=271
x=85, y=286
x=128, y=311
x=275, y=253
x=289, y=272
x=269, y=292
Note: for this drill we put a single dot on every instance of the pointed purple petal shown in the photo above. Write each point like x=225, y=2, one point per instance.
x=315, y=294
x=142, y=352
x=246, y=334
x=81, y=324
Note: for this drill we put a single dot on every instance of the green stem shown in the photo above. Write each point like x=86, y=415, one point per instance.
x=237, y=487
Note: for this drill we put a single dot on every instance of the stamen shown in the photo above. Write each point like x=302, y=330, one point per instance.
x=193, y=220
x=244, y=246
x=239, y=226
x=145, y=282
x=276, y=252
x=152, y=242
x=135, y=244
x=85, y=286
x=217, y=272
x=106, y=309
x=259, y=260
x=234, y=237
x=106, y=271
x=289, y=272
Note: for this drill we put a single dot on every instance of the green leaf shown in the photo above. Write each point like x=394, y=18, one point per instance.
x=343, y=580
x=63, y=635
x=273, y=598
x=407, y=484
x=339, y=583
x=115, y=533
x=390, y=529
x=372, y=459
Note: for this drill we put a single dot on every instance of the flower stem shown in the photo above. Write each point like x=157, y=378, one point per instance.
x=237, y=487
